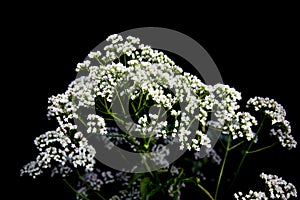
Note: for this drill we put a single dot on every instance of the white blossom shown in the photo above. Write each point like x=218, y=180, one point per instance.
x=276, y=112
x=94, y=181
x=239, y=125
x=67, y=153
x=278, y=188
x=96, y=54
x=83, y=66
x=252, y=195
x=129, y=71
x=96, y=125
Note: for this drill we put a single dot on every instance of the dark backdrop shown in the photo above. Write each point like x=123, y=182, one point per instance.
x=257, y=56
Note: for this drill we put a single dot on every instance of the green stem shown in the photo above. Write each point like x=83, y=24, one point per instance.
x=74, y=190
x=263, y=148
x=150, y=137
x=82, y=121
x=205, y=191
x=146, y=164
x=123, y=109
x=247, y=152
x=238, y=144
x=124, y=60
x=223, y=166
x=101, y=63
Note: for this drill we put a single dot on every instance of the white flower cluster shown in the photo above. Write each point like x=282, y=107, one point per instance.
x=239, y=125
x=229, y=120
x=270, y=107
x=225, y=102
x=96, y=124
x=159, y=154
x=277, y=189
x=252, y=195
x=210, y=153
x=85, y=89
x=134, y=72
x=93, y=181
x=202, y=141
x=152, y=73
x=131, y=191
x=285, y=139
x=118, y=47
x=83, y=66
x=282, y=128
x=64, y=110
x=60, y=152
x=103, y=81
x=155, y=127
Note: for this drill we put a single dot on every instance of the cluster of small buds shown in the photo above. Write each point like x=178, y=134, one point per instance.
x=279, y=188
x=174, y=170
x=96, y=125
x=175, y=189
x=239, y=125
x=282, y=128
x=58, y=150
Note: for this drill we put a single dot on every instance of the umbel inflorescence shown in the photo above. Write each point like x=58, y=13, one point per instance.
x=142, y=101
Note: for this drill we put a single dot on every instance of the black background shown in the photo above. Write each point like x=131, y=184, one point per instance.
x=256, y=52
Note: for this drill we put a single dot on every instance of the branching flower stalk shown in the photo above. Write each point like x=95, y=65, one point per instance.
x=136, y=98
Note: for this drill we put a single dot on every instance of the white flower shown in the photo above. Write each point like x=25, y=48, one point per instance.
x=83, y=66
x=115, y=38
x=252, y=195
x=143, y=120
x=282, y=128
x=68, y=153
x=96, y=54
x=269, y=106
x=278, y=188
x=239, y=125
x=96, y=125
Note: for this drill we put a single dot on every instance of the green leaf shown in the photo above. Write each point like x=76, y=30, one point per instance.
x=144, y=190
x=154, y=191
